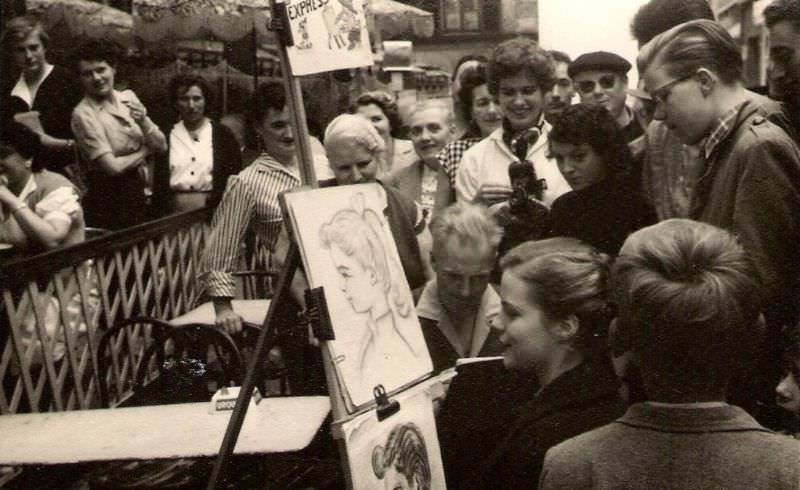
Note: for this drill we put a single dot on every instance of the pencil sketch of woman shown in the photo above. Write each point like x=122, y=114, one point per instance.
x=403, y=463
x=369, y=281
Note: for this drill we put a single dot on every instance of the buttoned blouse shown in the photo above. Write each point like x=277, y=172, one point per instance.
x=106, y=126
x=190, y=161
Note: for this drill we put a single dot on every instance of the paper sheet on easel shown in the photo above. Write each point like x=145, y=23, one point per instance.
x=399, y=450
x=348, y=249
x=328, y=35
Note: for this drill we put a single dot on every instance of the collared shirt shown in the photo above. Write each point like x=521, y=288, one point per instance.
x=487, y=163
x=431, y=308
x=721, y=130
x=190, y=160
x=450, y=156
x=106, y=126
x=250, y=202
x=28, y=92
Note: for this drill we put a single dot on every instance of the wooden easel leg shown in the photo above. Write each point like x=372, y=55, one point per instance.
x=266, y=340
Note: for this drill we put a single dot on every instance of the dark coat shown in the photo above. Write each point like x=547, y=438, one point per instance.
x=579, y=400
x=602, y=215
x=751, y=187
x=58, y=94
x=444, y=355
x=227, y=161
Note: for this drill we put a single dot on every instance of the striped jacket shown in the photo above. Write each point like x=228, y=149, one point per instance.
x=250, y=203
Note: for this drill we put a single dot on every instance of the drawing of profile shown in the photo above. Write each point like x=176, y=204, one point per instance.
x=403, y=462
x=370, y=281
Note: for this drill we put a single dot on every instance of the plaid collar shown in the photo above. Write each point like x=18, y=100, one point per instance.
x=721, y=130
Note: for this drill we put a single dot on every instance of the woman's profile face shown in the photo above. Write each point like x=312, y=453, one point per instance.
x=580, y=165
x=394, y=480
x=191, y=104
x=377, y=118
x=525, y=329
x=359, y=284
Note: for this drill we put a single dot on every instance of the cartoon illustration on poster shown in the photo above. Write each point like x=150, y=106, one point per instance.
x=328, y=35
x=348, y=249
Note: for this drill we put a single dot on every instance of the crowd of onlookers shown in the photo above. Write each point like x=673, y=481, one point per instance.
x=634, y=257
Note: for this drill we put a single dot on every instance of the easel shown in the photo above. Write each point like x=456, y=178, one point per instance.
x=270, y=333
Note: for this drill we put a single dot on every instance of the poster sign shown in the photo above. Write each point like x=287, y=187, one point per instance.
x=328, y=35
x=348, y=249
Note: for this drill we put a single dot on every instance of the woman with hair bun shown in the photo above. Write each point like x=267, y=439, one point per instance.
x=369, y=282
x=403, y=463
x=554, y=323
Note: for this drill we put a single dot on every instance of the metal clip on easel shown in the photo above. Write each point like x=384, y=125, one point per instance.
x=386, y=407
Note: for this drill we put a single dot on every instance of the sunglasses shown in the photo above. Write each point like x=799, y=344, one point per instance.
x=606, y=82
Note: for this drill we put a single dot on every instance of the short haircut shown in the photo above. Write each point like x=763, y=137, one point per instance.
x=386, y=104
x=689, y=302
x=469, y=224
x=594, y=125
x=96, y=50
x=521, y=56
x=183, y=82
x=269, y=95
x=432, y=104
x=567, y=277
x=560, y=56
x=781, y=10
x=356, y=129
x=693, y=45
x=19, y=28
x=470, y=80
x=657, y=16
x=24, y=143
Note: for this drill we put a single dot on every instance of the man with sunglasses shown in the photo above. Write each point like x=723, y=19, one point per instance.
x=601, y=78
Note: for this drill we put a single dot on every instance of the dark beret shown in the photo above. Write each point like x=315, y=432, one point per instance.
x=599, y=60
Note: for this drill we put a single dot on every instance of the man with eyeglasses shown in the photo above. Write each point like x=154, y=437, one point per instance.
x=749, y=182
x=602, y=78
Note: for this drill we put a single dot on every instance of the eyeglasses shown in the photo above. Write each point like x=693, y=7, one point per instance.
x=606, y=82
x=661, y=94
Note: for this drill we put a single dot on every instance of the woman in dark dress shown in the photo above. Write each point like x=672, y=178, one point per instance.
x=37, y=85
x=202, y=153
x=554, y=320
x=605, y=203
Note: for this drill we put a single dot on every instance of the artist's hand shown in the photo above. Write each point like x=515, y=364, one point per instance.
x=229, y=321
x=137, y=110
x=490, y=194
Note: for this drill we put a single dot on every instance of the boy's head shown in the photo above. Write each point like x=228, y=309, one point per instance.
x=689, y=307
x=787, y=393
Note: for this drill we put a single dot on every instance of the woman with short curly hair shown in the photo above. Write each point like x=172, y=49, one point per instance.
x=605, y=204
x=520, y=74
x=381, y=109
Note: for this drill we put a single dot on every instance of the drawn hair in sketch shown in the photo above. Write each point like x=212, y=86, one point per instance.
x=357, y=232
x=406, y=454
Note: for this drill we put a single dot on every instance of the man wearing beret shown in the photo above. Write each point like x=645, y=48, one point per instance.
x=602, y=78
